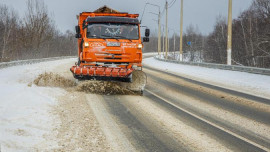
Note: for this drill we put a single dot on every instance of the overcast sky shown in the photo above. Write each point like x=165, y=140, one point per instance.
x=200, y=13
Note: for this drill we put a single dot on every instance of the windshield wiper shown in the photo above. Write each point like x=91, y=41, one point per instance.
x=101, y=38
x=123, y=37
x=98, y=37
x=110, y=37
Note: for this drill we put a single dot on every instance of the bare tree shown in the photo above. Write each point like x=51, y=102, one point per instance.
x=251, y=37
x=34, y=36
x=38, y=26
x=193, y=44
x=8, y=22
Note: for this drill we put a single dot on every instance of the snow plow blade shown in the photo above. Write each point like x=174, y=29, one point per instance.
x=101, y=73
x=135, y=79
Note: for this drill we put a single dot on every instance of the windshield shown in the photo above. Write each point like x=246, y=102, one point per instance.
x=113, y=30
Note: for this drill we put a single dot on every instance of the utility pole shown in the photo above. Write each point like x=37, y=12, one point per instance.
x=159, y=33
x=166, y=42
x=174, y=42
x=163, y=42
x=159, y=26
x=181, y=32
x=229, y=41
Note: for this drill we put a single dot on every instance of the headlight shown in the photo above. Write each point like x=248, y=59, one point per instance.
x=140, y=46
x=86, y=44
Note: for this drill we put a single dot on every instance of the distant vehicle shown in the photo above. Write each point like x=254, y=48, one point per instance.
x=110, y=47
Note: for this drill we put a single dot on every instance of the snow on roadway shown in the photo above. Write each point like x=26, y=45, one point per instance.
x=255, y=84
x=25, y=118
x=25, y=109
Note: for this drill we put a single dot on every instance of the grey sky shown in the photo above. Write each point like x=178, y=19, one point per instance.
x=202, y=13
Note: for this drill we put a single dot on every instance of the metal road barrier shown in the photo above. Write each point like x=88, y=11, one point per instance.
x=31, y=61
x=254, y=70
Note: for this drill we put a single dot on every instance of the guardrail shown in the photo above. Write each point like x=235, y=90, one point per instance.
x=31, y=61
x=254, y=70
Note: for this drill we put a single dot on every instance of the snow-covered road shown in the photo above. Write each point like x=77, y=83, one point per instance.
x=171, y=115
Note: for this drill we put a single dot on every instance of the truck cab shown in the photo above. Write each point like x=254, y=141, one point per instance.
x=109, y=45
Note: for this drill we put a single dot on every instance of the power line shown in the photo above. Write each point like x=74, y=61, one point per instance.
x=163, y=11
x=172, y=3
x=143, y=11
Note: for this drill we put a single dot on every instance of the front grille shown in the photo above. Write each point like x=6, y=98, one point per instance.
x=117, y=57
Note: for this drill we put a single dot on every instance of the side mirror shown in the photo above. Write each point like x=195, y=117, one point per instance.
x=147, y=32
x=78, y=36
x=78, y=30
x=146, y=39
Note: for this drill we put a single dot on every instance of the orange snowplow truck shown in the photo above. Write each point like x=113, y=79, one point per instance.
x=109, y=45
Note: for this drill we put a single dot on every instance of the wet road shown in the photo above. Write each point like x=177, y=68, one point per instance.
x=179, y=114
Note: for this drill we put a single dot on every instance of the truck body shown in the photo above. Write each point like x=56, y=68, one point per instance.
x=109, y=45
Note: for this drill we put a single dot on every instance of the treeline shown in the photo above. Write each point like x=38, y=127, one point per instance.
x=250, y=39
x=32, y=36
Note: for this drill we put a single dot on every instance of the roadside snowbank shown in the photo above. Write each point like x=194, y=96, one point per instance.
x=254, y=84
x=25, y=108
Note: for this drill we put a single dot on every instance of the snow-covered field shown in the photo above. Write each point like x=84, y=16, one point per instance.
x=258, y=85
x=25, y=108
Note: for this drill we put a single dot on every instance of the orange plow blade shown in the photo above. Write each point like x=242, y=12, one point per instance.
x=102, y=73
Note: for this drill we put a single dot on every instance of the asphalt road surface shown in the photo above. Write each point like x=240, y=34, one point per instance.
x=174, y=114
x=177, y=114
